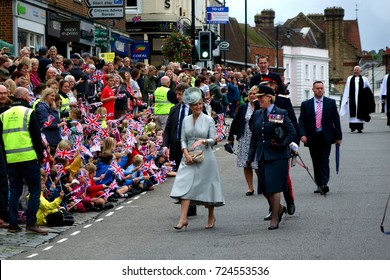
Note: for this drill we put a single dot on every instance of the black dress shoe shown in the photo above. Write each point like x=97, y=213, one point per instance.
x=325, y=189
x=360, y=131
x=268, y=217
x=291, y=208
x=250, y=193
x=272, y=227
x=318, y=190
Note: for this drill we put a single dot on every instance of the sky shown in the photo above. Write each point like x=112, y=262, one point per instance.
x=374, y=29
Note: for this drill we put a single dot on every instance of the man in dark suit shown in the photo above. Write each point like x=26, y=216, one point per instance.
x=319, y=125
x=172, y=134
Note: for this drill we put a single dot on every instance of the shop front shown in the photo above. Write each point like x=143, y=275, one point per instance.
x=29, y=22
x=154, y=33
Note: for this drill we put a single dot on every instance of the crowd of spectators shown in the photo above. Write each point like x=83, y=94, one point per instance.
x=98, y=124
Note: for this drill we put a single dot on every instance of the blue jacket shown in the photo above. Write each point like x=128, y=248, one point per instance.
x=51, y=132
x=264, y=131
x=103, y=168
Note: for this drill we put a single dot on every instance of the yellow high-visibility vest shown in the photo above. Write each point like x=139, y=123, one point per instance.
x=162, y=106
x=16, y=136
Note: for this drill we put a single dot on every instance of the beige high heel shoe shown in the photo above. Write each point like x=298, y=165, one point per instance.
x=180, y=227
x=212, y=225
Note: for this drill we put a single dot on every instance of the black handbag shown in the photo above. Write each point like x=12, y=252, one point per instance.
x=280, y=135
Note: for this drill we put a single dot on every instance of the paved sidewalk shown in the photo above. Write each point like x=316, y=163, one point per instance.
x=15, y=243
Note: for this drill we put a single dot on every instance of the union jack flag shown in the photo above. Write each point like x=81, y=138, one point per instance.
x=85, y=152
x=113, y=185
x=61, y=171
x=103, y=133
x=160, y=179
x=91, y=120
x=96, y=104
x=44, y=141
x=97, y=76
x=221, y=118
x=46, y=167
x=95, y=145
x=50, y=120
x=77, y=141
x=79, y=128
x=65, y=134
x=117, y=170
x=68, y=154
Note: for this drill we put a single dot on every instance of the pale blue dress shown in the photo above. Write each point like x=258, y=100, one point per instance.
x=199, y=182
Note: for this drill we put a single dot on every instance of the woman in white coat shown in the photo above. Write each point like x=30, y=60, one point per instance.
x=197, y=183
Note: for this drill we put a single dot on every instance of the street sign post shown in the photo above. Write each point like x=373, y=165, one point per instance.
x=217, y=15
x=106, y=12
x=104, y=3
x=224, y=46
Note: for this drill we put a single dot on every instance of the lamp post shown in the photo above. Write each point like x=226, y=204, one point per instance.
x=246, y=35
x=277, y=48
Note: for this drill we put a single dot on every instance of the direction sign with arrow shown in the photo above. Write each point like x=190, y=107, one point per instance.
x=106, y=12
x=104, y=3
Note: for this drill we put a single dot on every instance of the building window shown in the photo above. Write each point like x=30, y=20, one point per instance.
x=131, y=4
x=322, y=73
x=314, y=72
x=307, y=73
x=29, y=39
x=307, y=94
x=288, y=71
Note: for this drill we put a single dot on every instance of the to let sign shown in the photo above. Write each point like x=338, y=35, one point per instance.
x=103, y=12
x=104, y=3
x=217, y=15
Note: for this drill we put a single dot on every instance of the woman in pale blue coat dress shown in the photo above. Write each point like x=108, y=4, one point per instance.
x=197, y=183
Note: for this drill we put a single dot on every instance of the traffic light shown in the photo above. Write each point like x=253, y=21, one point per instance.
x=205, y=47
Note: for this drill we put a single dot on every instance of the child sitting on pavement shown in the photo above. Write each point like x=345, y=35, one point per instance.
x=50, y=213
x=96, y=192
x=140, y=180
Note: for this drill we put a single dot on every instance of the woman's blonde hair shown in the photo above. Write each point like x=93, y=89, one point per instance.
x=11, y=86
x=109, y=144
x=45, y=93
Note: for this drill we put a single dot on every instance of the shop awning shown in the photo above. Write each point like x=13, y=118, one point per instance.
x=6, y=44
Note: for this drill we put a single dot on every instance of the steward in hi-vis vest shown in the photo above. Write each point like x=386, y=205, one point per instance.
x=22, y=146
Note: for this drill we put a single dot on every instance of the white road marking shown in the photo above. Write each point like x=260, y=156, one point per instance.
x=119, y=208
x=87, y=226
x=99, y=220
x=76, y=232
x=109, y=214
x=47, y=248
x=31, y=256
x=62, y=240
